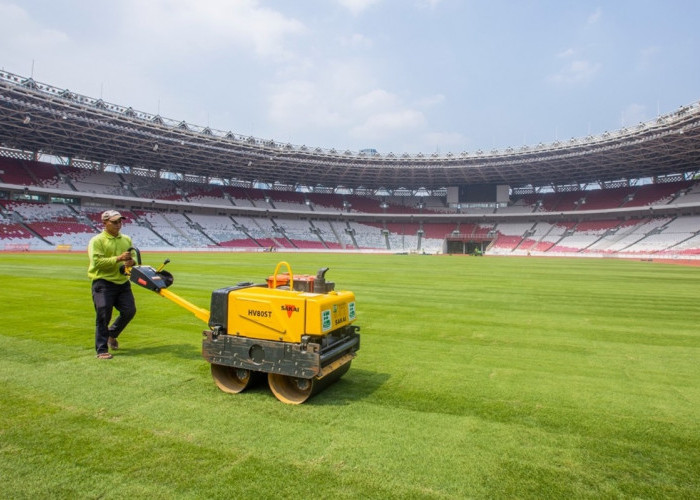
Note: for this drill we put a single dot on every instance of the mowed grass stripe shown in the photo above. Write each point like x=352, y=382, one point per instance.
x=476, y=377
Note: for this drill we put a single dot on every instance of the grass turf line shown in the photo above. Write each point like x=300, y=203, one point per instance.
x=476, y=377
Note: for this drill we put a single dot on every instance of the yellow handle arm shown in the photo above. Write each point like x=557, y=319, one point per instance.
x=200, y=313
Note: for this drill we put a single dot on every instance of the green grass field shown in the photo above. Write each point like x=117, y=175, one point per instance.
x=477, y=377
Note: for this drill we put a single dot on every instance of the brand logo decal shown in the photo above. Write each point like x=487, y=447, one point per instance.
x=290, y=308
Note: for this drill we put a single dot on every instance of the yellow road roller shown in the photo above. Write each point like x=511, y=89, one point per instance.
x=297, y=329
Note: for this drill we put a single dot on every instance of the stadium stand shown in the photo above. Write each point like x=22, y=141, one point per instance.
x=206, y=216
x=45, y=226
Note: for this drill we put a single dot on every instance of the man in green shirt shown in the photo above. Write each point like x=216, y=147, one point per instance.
x=110, y=288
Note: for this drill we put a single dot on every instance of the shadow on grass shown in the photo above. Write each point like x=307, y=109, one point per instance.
x=355, y=385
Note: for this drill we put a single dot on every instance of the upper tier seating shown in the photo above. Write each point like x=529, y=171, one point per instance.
x=45, y=225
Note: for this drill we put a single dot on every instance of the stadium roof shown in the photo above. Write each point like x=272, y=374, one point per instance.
x=44, y=119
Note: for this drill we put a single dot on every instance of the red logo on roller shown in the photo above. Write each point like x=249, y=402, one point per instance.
x=290, y=308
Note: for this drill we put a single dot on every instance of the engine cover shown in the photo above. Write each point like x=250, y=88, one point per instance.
x=280, y=315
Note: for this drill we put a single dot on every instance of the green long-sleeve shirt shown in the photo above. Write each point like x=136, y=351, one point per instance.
x=103, y=251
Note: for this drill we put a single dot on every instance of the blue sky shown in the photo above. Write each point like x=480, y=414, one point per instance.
x=394, y=75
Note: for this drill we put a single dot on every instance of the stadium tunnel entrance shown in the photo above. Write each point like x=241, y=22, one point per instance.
x=466, y=244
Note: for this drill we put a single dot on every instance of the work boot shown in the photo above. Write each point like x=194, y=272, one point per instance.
x=113, y=343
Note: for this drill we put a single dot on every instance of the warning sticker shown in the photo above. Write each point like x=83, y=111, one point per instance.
x=326, y=320
x=351, y=310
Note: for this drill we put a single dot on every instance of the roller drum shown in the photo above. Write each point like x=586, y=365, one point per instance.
x=295, y=390
x=231, y=379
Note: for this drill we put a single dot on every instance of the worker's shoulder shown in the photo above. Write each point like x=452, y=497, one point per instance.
x=96, y=238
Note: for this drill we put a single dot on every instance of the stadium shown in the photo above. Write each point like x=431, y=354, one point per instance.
x=66, y=157
x=478, y=377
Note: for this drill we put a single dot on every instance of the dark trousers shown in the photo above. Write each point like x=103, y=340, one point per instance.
x=107, y=296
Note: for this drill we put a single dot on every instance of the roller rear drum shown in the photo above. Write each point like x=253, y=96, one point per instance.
x=230, y=379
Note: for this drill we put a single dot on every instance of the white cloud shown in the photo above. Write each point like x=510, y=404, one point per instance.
x=431, y=4
x=319, y=96
x=595, y=16
x=431, y=100
x=23, y=40
x=188, y=26
x=297, y=105
x=357, y=6
x=142, y=41
x=566, y=53
x=356, y=41
x=345, y=78
x=575, y=72
x=387, y=124
x=341, y=97
x=374, y=100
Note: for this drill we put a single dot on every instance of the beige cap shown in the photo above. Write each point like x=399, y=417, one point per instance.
x=112, y=215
